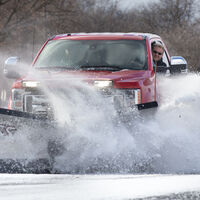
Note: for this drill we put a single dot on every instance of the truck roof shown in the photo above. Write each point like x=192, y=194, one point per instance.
x=108, y=35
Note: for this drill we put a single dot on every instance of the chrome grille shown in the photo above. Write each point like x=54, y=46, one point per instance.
x=37, y=104
x=122, y=99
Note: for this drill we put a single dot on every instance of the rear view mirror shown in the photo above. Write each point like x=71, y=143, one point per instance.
x=178, y=65
x=11, y=68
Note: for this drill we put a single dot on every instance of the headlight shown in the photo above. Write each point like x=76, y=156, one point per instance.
x=103, y=84
x=30, y=84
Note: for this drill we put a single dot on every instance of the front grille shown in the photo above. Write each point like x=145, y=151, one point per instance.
x=37, y=104
x=122, y=99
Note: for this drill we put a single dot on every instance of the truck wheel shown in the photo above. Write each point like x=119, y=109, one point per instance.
x=55, y=148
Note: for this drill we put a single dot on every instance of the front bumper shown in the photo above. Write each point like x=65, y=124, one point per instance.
x=36, y=102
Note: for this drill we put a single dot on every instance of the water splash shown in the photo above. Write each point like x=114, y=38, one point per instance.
x=96, y=140
x=164, y=140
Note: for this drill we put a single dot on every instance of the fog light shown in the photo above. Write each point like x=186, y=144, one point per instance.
x=103, y=84
x=137, y=96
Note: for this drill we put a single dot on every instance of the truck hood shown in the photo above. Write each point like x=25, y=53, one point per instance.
x=123, y=75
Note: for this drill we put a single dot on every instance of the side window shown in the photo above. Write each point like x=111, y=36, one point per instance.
x=164, y=57
x=165, y=60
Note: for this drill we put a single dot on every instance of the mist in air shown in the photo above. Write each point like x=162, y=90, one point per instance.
x=162, y=140
x=97, y=140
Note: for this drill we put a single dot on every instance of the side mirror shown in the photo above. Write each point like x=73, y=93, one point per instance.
x=11, y=68
x=178, y=65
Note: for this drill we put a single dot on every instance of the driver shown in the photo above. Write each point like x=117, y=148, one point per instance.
x=157, y=53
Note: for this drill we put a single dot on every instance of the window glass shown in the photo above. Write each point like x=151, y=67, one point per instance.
x=73, y=54
x=165, y=60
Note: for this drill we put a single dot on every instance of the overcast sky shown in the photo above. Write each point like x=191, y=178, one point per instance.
x=132, y=3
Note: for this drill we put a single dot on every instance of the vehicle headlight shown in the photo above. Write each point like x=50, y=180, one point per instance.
x=30, y=84
x=103, y=84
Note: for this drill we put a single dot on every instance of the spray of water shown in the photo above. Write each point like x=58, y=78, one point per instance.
x=163, y=140
x=96, y=139
x=177, y=120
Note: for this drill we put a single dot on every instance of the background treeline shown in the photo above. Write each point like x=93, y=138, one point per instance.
x=26, y=24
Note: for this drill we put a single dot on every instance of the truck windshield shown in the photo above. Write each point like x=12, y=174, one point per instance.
x=94, y=54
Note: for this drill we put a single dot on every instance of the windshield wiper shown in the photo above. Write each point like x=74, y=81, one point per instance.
x=101, y=67
x=106, y=67
x=88, y=67
x=58, y=68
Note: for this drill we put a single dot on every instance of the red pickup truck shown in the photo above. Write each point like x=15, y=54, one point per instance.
x=120, y=64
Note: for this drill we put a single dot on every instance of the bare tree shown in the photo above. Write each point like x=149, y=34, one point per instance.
x=26, y=24
x=167, y=14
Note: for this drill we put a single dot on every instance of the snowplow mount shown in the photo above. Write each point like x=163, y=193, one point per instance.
x=147, y=105
x=13, y=120
x=16, y=113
